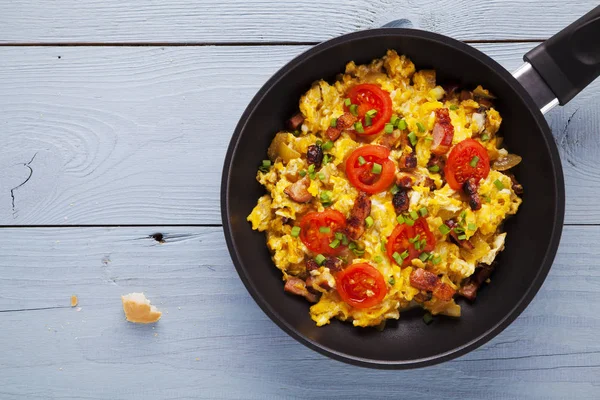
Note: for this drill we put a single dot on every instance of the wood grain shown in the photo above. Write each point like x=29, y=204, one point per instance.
x=213, y=342
x=212, y=21
x=137, y=135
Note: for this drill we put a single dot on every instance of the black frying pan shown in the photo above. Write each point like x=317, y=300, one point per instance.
x=556, y=71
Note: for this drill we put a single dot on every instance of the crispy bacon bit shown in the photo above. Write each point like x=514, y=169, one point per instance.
x=428, y=281
x=450, y=90
x=314, y=155
x=334, y=264
x=311, y=265
x=470, y=189
x=464, y=243
x=298, y=191
x=295, y=122
x=428, y=183
x=405, y=180
x=481, y=274
x=355, y=225
x=396, y=139
x=407, y=162
x=443, y=132
x=465, y=95
x=344, y=121
x=401, y=201
x=439, y=161
x=298, y=287
x=484, y=104
x=516, y=186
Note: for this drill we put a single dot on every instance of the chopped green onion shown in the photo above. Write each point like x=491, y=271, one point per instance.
x=408, y=221
x=327, y=146
x=353, y=109
x=434, y=168
x=296, y=133
x=474, y=161
x=358, y=252
x=413, y=138
x=347, y=102
x=392, y=281
x=423, y=243
x=427, y=318
x=428, y=138
x=318, y=142
x=399, y=260
x=459, y=229
x=423, y=211
x=395, y=189
x=311, y=168
x=361, y=160
x=421, y=127
x=326, y=159
x=463, y=215
x=389, y=128
x=339, y=235
x=414, y=215
x=436, y=260
x=400, y=219
x=321, y=176
x=333, y=122
x=383, y=243
x=325, y=198
x=266, y=163
x=454, y=107
x=424, y=256
x=394, y=120
x=352, y=246
x=430, y=256
x=324, y=229
x=472, y=227
x=402, y=125
x=334, y=244
x=444, y=229
x=295, y=231
x=378, y=259
x=462, y=237
x=415, y=239
x=344, y=240
x=417, y=245
x=319, y=259
x=486, y=198
x=358, y=127
x=302, y=173
x=368, y=121
x=499, y=184
x=485, y=137
x=369, y=221
x=404, y=254
x=376, y=168
x=371, y=113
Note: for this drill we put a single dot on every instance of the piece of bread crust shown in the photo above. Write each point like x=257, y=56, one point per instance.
x=137, y=309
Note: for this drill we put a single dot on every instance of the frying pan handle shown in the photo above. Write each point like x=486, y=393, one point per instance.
x=569, y=60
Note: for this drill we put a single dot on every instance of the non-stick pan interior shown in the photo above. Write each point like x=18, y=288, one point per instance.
x=532, y=235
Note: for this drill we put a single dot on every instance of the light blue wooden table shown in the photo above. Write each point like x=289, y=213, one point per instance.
x=114, y=120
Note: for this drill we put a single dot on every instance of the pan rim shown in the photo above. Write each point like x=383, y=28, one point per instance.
x=551, y=248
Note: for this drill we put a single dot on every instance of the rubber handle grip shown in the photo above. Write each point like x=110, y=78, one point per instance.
x=570, y=60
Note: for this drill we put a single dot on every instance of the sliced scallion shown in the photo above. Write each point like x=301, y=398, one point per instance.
x=436, y=260
x=369, y=221
x=499, y=184
x=376, y=169
x=472, y=227
x=302, y=173
x=353, y=109
x=453, y=107
x=361, y=160
x=408, y=221
x=423, y=211
x=334, y=244
x=358, y=127
x=421, y=127
x=444, y=229
x=392, y=281
x=347, y=102
x=400, y=219
x=485, y=137
x=399, y=260
x=413, y=138
x=395, y=189
x=378, y=259
x=462, y=237
x=368, y=121
x=333, y=122
x=414, y=215
x=295, y=231
x=371, y=113
x=434, y=168
x=325, y=229
x=424, y=256
x=327, y=145
x=474, y=161
x=402, y=124
x=319, y=259
x=389, y=128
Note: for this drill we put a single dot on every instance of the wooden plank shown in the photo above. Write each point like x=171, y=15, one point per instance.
x=138, y=135
x=213, y=21
x=212, y=334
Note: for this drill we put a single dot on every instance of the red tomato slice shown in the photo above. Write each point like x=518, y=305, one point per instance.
x=361, y=285
x=316, y=240
x=362, y=176
x=403, y=238
x=458, y=167
x=371, y=97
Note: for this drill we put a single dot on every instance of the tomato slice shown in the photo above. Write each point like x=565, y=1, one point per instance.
x=404, y=239
x=362, y=177
x=361, y=285
x=368, y=97
x=318, y=239
x=458, y=167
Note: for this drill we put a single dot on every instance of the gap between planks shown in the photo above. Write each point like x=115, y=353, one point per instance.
x=220, y=44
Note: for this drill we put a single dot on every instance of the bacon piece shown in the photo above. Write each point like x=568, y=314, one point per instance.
x=450, y=90
x=465, y=95
x=428, y=183
x=295, y=122
x=443, y=132
x=311, y=265
x=439, y=161
x=425, y=280
x=407, y=162
x=344, y=121
x=481, y=274
x=314, y=155
x=470, y=189
x=333, y=263
x=464, y=243
x=516, y=186
x=405, y=180
x=298, y=191
x=401, y=201
x=298, y=287
x=355, y=226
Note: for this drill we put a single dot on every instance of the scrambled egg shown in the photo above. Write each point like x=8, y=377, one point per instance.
x=415, y=97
